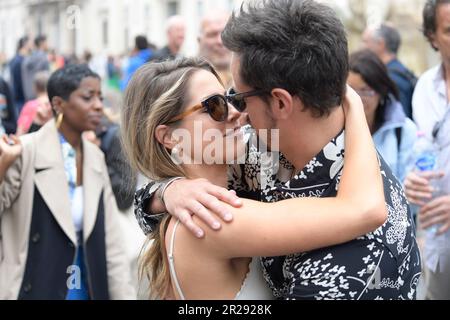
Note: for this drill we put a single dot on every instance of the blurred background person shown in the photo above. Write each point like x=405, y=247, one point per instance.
x=60, y=235
x=8, y=112
x=37, y=61
x=393, y=133
x=15, y=66
x=114, y=74
x=176, y=34
x=37, y=112
x=56, y=60
x=210, y=44
x=140, y=55
x=123, y=183
x=385, y=42
x=432, y=115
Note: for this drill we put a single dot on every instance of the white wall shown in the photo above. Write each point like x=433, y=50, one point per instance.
x=12, y=19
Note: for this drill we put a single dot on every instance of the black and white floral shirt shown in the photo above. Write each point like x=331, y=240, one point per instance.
x=384, y=264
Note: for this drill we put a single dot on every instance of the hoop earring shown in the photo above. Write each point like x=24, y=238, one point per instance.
x=59, y=120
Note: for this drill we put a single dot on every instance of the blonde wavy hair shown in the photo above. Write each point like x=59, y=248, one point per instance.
x=157, y=93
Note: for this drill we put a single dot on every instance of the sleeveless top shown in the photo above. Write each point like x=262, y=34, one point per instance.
x=254, y=286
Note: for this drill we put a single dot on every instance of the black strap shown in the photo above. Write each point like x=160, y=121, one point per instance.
x=405, y=74
x=398, y=133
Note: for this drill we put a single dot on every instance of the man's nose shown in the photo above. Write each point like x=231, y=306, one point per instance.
x=233, y=114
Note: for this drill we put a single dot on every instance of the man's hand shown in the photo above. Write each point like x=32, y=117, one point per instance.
x=436, y=212
x=185, y=198
x=417, y=187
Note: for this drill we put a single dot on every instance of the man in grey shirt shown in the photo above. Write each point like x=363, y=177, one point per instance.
x=37, y=61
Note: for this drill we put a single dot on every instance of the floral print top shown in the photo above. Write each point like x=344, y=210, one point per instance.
x=384, y=264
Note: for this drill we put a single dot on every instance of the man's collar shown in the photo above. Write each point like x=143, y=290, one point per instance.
x=439, y=80
x=324, y=167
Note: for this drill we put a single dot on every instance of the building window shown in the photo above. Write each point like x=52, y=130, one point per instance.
x=172, y=8
x=105, y=28
x=200, y=8
x=127, y=39
x=147, y=17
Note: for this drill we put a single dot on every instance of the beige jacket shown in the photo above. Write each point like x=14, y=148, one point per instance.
x=42, y=150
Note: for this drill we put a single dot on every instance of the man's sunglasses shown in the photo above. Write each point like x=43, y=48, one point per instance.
x=217, y=105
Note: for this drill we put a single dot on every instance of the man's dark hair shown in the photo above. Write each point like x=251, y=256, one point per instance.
x=67, y=80
x=391, y=37
x=22, y=42
x=429, y=18
x=374, y=72
x=39, y=40
x=141, y=43
x=296, y=45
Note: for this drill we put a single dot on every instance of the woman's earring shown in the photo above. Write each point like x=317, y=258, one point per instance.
x=59, y=120
x=175, y=155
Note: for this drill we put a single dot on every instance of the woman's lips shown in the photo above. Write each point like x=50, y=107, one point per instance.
x=95, y=119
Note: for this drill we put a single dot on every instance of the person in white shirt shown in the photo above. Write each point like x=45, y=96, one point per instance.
x=431, y=112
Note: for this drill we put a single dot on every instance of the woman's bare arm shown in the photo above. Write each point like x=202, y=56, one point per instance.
x=304, y=224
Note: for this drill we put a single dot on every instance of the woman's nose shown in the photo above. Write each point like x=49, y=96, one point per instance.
x=98, y=104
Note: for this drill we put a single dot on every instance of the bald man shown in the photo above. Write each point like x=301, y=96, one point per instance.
x=211, y=46
x=176, y=33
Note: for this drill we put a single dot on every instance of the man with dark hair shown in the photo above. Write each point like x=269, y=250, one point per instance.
x=36, y=62
x=432, y=113
x=15, y=66
x=8, y=113
x=385, y=41
x=290, y=65
x=140, y=55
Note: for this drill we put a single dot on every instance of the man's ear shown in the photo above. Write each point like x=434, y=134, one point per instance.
x=282, y=104
x=163, y=134
x=432, y=37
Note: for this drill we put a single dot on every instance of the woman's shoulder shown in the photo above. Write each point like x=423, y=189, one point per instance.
x=177, y=234
x=29, y=142
x=178, y=238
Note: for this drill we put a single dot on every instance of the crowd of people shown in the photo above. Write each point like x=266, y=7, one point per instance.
x=313, y=226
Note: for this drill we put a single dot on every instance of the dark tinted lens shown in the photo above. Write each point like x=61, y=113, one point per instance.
x=235, y=100
x=217, y=108
x=238, y=103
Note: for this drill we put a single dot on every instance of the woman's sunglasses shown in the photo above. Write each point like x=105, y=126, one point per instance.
x=217, y=105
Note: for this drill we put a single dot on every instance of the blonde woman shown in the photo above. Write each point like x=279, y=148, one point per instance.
x=179, y=95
